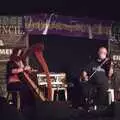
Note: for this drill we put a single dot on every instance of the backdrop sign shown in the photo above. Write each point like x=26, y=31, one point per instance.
x=11, y=35
x=68, y=26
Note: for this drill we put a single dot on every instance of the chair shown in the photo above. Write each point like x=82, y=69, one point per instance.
x=110, y=96
x=59, y=89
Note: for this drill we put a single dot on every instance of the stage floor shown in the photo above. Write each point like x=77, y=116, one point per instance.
x=52, y=111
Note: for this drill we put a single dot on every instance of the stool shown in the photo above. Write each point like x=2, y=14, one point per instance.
x=58, y=89
x=17, y=98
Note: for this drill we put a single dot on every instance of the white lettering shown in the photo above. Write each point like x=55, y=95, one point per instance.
x=4, y=29
x=2, y=51
x=116, y=57
x=5, y=51
x=1, y=43
x=99, y=69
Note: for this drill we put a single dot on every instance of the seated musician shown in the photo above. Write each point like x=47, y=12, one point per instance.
x=100, y=70
x=86, y=91
x=15, y=80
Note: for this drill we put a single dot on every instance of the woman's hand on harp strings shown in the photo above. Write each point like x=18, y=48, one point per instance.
x=17, y=70
x=29, y=69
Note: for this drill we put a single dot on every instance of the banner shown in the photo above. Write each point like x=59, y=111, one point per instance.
x=11, y=35
x=68, y=26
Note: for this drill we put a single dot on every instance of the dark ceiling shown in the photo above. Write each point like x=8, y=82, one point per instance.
x=80, y=8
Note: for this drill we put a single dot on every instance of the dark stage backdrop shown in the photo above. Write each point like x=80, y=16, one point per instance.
x=66, y=54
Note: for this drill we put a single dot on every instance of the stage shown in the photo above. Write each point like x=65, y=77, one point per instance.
x=68, y=48
x=55, y=111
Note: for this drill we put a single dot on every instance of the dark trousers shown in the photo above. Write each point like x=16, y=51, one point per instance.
x=101, y=95
x=14, y=89
x=27, y=97
x=87, y=95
